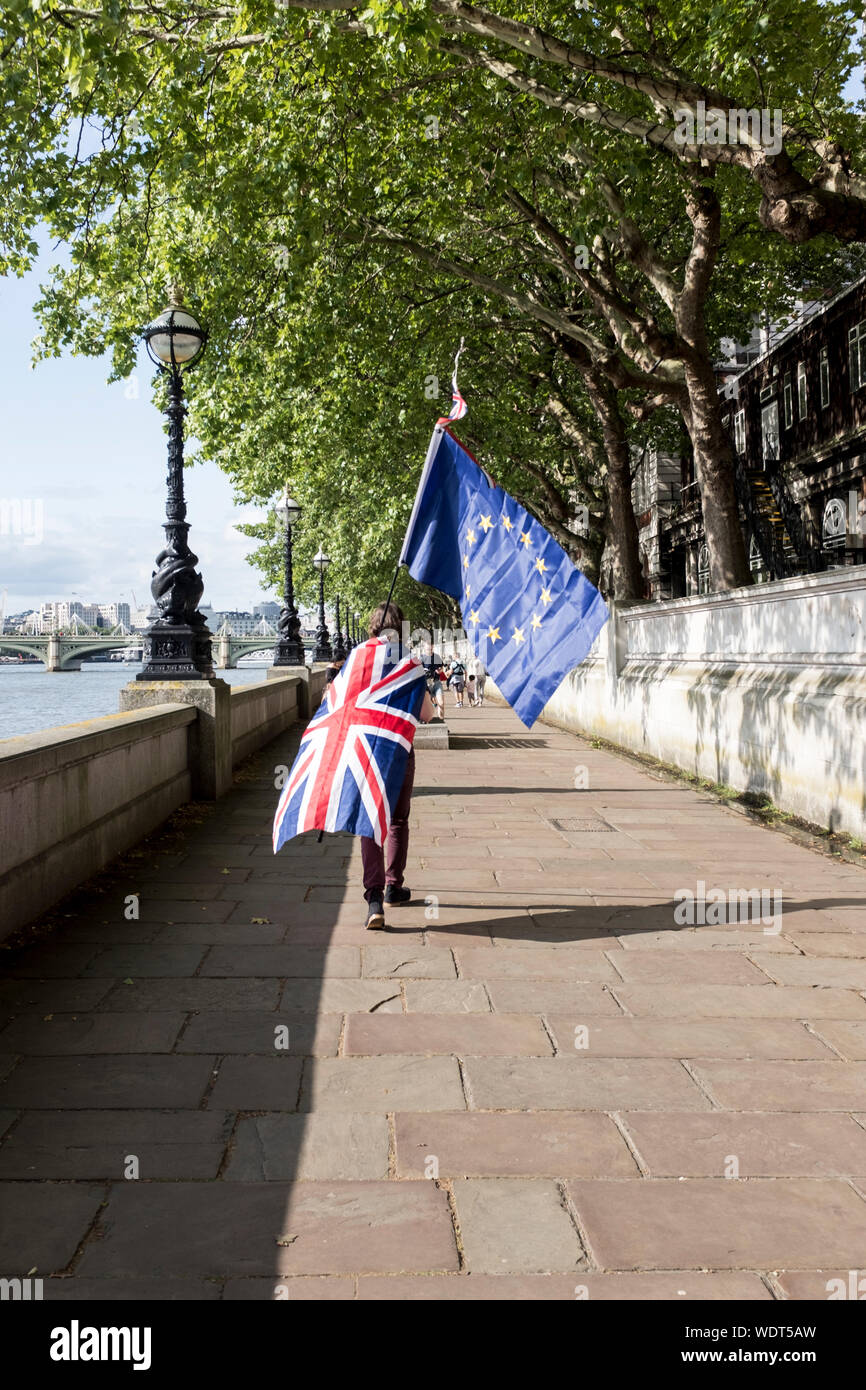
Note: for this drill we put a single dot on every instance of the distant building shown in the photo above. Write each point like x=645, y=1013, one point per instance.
x=113, y=614
x=268, y=610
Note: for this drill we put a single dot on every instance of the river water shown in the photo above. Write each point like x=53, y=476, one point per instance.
x=32, y=699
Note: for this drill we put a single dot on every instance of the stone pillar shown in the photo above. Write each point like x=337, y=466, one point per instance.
x=224, y=653
x=309, y=698
x=210, y=736
x=54, y=658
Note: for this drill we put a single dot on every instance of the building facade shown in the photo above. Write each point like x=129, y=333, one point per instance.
x=794, y=405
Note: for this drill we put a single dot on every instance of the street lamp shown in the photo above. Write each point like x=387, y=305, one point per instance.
x=289, y=650
x=177, y=645
x=339, y=645
x=350, y=637
x=357, y=618
x=323, y=650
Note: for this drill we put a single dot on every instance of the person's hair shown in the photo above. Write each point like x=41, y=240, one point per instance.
x=388, y=617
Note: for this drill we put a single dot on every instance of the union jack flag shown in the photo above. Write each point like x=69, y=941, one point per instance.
x=352, y=759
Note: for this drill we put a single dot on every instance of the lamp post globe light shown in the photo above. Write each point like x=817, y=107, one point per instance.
x=323, y=650
x=177, y=645
x=339, y=644
x=289, y=649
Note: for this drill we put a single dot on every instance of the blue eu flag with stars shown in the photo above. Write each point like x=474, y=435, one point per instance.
x=529, y=613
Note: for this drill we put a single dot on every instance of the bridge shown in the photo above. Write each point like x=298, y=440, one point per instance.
x=64, y=651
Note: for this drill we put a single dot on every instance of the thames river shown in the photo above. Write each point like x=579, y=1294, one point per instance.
x=32, y=699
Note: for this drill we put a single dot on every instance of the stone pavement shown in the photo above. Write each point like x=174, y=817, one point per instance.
x=536, y=1085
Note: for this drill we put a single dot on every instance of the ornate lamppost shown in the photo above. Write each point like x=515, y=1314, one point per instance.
x=323, y=650
x=339, y=644
x=177, y=645
x=289, y=649
x=357, y=619
x=350, y=640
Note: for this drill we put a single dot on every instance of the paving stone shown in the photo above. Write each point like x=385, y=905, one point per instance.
x=445, y=997
x=290, y=1289
x=831, y=943
x=220, y=934
x=832, y=1085
x=516, y=1225
x=799, y=1145
x=581, y=1083
x=382, y=1084
x=845, y=973
x=42, y=1225
x=847, y=1038
x=704, y=939
x=181, y=910
x=341, y=996
x=538, y=963
x=739, y=1001
x=248, y=1031
x=472, y=1035
x=52, y=960
x=397, y=961
x=325, y=1146
x=688, y=968
x=51, y=996
x=146, y=960
x=541, y=996
x=719, y=1223
x=522, y=1288
x=189, y=995
x=70, y=1033
x=306, y=962
x=468, y=1144
x=257, y=1083
x=111, y=1290
x=178, y=1229
x=92, y=1144
x=121, y=1082
x=661, y=1037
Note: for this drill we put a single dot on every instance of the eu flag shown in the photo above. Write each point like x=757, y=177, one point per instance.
x=530, y=614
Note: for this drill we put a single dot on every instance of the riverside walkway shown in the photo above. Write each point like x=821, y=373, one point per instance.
x=536, y=1085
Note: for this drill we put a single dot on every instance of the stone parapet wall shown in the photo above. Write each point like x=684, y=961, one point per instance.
x=761, y=689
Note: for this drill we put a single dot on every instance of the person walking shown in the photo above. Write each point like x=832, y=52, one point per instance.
x=384, y=865
x=457, y=681
x=436, y=687
x=476, y=670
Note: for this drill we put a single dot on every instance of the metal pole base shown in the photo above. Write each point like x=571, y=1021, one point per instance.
x=177, y=652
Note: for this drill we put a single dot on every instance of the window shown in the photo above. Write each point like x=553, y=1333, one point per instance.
x=770, y=431
x=801, y=391
x=857, y=355
x=703, y=570
x=824, y=368
x=788, y=396
x=740, y=431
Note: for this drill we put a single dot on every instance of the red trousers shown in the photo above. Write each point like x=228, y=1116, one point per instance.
x=385, y=863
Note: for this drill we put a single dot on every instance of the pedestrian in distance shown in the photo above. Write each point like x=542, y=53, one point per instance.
x=457, y=681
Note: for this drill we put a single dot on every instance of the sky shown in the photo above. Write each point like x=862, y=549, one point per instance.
x=82, y=480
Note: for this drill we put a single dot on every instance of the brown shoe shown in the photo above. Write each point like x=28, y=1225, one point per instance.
x=375, y=915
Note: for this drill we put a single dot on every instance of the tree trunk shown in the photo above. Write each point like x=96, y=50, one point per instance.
x=627, y=580
x=714, y=471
